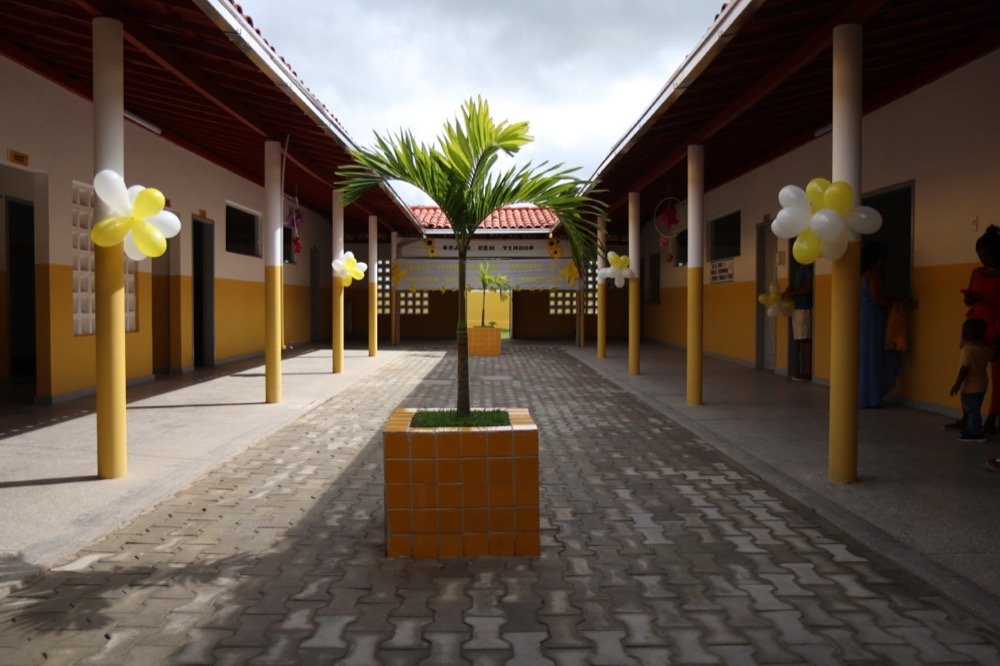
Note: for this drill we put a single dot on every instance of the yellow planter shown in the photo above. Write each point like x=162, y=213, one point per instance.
x=484, y=341
x=461, y=492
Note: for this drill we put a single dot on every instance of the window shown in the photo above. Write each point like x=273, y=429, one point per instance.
x=384, y=277
x=84, y=268
x=242, y=232
x=414, y=303
x=724, y=237
x=653, y=279
x=562, y=302
x=591, y=288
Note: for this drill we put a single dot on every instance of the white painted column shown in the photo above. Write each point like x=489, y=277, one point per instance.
x=273, y=266
x=393, y=296
x=602, y=289
x=372, y=285
x=338, y=283
x=634, y=288
x=695, y=272
x=845, y=288
x=109, y=153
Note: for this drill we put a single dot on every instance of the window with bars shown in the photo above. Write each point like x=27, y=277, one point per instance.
x=384, y=277
x=590, y=288
x=414, y=302
x=84, y=268
x=562, y=302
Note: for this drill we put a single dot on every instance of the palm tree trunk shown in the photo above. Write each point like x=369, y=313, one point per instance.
x=462, y=336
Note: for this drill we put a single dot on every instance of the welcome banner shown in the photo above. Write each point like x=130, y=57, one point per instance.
x=433, y=274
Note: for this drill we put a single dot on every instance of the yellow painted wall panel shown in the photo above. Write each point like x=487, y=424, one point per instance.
x=496, y=310
x=822, y=295
x=296, y=311
x=72, y=357
x=139, y=344
x=933, y=332
x=239, y=318
x=181, y=322
x=729, y=320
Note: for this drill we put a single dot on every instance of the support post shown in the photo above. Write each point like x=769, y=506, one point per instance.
x=338, y=283
x=109, y=153
x=602, y=290
x=844, y=300
x=273, y=261
x=695, y=273
x=372, y=285
x=634, y=288
x=393, y=295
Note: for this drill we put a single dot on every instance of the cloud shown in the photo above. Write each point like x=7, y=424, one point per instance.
x=580, y=71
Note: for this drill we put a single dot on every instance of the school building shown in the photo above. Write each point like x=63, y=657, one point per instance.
x=211, y=112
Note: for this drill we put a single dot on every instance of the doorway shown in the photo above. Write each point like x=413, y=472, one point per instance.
x=896, y=233
x=21, y=291
x=767, y=272
x=203, y=279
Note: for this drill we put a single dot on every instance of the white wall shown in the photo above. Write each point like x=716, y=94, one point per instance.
x=54, y=127
x=945, y=137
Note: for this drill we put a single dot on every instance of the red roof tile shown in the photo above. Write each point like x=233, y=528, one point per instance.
x=514, y=218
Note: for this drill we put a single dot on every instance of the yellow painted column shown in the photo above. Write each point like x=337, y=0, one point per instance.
x=338, y=283
x=602, y=290
x=273, y=258
x=634, y=288
x=695, y=273
x=109, y=153
x=845, y=297
x=372, y=285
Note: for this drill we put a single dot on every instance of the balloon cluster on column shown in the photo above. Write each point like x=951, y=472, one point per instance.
x=348, y=268
x=137, y=217
x=617, y=269
x=823, y=219
x=773, y=303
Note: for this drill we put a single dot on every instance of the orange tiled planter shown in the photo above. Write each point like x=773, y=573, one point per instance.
x=484, y=341
x=461, y=492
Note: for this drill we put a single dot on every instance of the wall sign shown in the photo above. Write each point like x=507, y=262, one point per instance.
x=433, y=274
x=721, y=270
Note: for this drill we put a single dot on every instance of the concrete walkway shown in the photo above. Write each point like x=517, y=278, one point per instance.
x=665, y=538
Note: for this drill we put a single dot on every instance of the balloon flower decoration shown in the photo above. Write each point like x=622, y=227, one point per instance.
x=822, y=219
x=137, y=217
x=618, y=269
x=349, y=268
x=773, y=302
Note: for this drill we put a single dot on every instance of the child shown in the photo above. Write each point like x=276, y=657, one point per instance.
x=974, y=357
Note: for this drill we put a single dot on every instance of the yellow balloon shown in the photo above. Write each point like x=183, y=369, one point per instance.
x=839, y=196
x=110, y=231
x=149, y=239
x=762, y=299
x=815, y=190
x=806, y=248
x=148, y=202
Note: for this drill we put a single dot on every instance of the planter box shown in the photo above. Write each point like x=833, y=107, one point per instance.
x=461, y=492
x=484, y=341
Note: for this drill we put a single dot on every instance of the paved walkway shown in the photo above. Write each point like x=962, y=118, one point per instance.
x=657, y=548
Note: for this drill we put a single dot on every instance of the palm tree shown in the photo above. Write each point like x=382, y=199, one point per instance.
x=457, y=173
x=492, y=282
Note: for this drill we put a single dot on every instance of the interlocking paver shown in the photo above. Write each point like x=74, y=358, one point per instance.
x=655, y=549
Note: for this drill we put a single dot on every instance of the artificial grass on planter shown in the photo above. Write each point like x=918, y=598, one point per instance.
x=449, y=418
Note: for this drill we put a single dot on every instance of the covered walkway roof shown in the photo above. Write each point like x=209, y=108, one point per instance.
x=760, y=84
x=198, y=73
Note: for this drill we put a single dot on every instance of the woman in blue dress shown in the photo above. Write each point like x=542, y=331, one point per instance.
x=879, y=367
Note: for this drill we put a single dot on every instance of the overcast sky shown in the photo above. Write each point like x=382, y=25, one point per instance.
x=581, y=72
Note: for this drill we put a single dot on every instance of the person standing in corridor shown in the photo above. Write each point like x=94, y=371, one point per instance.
x=801, y=292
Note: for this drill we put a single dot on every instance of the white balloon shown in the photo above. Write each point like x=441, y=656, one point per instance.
x=864, y=219
x=110, y=187
x=773, y=309
x=166, y=222
x=793, y=196
x=132, y=250
x=833, y=248
x=778, y=230
x=827, y=223
x=793, y=220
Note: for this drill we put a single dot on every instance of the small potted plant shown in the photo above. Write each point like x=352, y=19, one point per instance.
x=485, y=340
